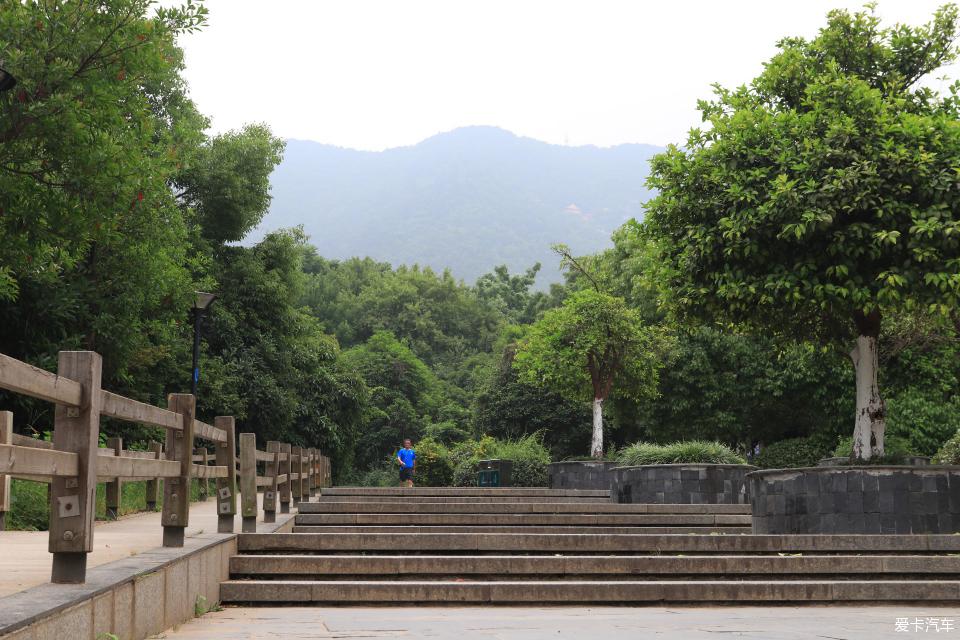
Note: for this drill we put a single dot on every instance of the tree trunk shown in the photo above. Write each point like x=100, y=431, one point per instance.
x=596, y=444
x=870, y=422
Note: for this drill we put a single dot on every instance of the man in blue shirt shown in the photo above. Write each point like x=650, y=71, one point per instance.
x=408, y=463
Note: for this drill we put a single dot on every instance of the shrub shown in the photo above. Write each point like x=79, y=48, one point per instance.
x=949, y=453
x=793, y=452
x=434, y=467
x=895, y=450
x=685, y=452
x=528, y=454
x=922, y=421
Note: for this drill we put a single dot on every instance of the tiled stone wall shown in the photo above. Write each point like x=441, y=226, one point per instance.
x=856, y=500
x=581, y=475
x=681, y=484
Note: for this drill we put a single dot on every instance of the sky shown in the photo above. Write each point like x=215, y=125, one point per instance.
x=375, y=74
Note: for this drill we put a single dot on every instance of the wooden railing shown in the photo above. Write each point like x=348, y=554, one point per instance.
x=73, y=463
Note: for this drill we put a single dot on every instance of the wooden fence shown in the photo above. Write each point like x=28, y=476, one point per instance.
x=73, y=463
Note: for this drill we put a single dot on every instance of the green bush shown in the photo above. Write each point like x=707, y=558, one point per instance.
x=529, y=456
x=921, y=420
x=895, y=450
x=685, y=452
x=949, y=453
x=793, y=452
x=434, y=467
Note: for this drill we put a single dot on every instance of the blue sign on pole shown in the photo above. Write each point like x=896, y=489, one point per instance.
x=196, y=375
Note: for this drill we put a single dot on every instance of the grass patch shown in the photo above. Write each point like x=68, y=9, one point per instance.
x=686, y=452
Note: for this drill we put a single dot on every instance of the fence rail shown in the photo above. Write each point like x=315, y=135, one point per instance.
x=73, y=462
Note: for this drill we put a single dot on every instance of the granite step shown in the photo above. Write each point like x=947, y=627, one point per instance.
x=466, y=506
x=588, y=591
x=623, y=566
x=519, y=519
x=465, y=491
x=510, y=529
x=586, y=543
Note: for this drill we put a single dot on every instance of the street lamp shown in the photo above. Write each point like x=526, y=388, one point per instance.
x=7, y=81
x=200, y=306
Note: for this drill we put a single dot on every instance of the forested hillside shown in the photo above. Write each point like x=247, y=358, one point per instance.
x=317, y=338
x=464, y=200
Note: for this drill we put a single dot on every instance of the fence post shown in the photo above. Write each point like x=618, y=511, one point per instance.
x=6, y=437
x=115, y=486
x=204, y=487
x=304, y=474
x=313, y=472
x=153, y=486
x=73, y=500
x=226, y=487
x=298, y=468
x=248, y=482
x=176, y=491
x=270, y=493
x=285, y=469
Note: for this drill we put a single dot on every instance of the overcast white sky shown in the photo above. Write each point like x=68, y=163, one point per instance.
x=372, y=74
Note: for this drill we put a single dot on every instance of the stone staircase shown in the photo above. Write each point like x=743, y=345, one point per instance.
x=505, y=546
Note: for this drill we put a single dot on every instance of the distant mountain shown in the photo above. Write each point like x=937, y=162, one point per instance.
x=469, y=199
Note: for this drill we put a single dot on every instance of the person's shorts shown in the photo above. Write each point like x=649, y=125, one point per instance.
x=406, y=474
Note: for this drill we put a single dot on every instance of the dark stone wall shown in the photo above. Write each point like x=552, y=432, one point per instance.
x=856, y=500
x=581, y=475
x=681, y=484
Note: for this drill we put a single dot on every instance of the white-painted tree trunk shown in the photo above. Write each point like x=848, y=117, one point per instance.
x=596, y=444
x=871, y=421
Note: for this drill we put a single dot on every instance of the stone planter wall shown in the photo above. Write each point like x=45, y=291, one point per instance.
x=581, y=475
x=868, y=500
x=681, y=484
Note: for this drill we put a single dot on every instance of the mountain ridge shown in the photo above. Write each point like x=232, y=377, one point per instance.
x=467, y=199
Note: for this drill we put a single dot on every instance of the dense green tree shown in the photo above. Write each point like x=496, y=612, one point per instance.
x=506, y=408
x=819, y=200
x=592, y=345
x=92, y=131
x=227, y=183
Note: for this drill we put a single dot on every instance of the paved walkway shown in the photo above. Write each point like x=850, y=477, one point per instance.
x=25, y=561
x=581, y=623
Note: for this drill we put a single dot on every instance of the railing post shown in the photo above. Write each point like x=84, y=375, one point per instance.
x=248, y=482
x=270, y=493
x=286, y=467
x=204, y=492
x=176, y=491
x=153, y=486
x=297, y=467
x=115, y=486
x=73, y=500
x=304, y=477
x=226, y=487
x=313, y=472
x=6, y=437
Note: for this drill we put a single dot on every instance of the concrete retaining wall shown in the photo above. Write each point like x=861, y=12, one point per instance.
x=581, y=475
x=133, y=599
x=853, y=500
x=681, y=484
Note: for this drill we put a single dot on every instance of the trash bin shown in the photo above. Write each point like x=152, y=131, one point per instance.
x=494, y=473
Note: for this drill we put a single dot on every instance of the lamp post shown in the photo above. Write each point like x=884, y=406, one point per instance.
x=7, y=81
x=200, y=306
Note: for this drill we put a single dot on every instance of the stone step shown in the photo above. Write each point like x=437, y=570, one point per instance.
x=589, y=591
x=404, y=506
x=883, y=566
x=508, y=529
x=473, y=499
x=519, y=519
x=586, y=543
x=466, y=491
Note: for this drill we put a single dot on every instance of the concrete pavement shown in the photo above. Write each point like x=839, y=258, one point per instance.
x=581, y=623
